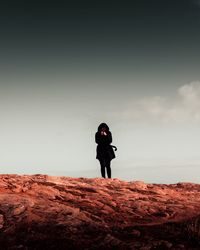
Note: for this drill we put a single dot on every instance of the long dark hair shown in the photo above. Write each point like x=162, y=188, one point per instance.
x=103, y=125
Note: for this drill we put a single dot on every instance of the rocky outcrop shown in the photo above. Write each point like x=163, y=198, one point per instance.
x=45, y=212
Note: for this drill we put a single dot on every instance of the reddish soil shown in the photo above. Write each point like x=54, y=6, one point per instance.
x=46, y=212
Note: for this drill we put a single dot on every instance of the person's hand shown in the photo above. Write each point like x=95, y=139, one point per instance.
x=103, y=133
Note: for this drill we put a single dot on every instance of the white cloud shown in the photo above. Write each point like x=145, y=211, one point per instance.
x=185, y=107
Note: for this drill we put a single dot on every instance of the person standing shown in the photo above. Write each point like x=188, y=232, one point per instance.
x=104, y=150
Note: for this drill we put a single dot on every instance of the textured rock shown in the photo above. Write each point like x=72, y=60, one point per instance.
x=46, y=212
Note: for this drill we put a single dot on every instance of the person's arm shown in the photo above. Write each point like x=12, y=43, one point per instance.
x=97, y=139
x=109, y=137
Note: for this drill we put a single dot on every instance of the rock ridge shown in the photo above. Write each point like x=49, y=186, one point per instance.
x=51, y=212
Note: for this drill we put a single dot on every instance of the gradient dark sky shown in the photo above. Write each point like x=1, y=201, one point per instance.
x=135, y=36
x=66, y=67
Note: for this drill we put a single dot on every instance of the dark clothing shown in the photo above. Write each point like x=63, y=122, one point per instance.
x=105, y=163
x=104, y=149
x=105, y=152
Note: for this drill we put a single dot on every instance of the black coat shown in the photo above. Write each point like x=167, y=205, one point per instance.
x=104, y=149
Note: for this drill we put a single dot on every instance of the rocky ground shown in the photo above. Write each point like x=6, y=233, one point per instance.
x=45, y=212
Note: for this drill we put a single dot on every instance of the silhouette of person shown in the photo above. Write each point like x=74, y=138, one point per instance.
x=105, y=153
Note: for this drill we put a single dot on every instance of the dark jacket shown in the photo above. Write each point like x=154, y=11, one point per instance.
x=104, y=149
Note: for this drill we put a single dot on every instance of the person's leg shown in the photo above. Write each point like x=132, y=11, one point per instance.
x=108, y=168
x=102, y=163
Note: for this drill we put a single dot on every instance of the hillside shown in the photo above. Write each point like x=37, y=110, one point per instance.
x=46, y=212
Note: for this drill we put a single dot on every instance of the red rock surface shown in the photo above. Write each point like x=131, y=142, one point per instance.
x=45, y=212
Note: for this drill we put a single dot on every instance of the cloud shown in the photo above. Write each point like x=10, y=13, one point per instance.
x=185, y=107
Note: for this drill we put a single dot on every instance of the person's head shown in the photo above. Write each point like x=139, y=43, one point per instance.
x=103, y=127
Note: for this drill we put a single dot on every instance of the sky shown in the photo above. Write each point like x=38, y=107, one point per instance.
x=67, y=67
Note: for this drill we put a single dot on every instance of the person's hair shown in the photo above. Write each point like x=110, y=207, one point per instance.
x=103, y=125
